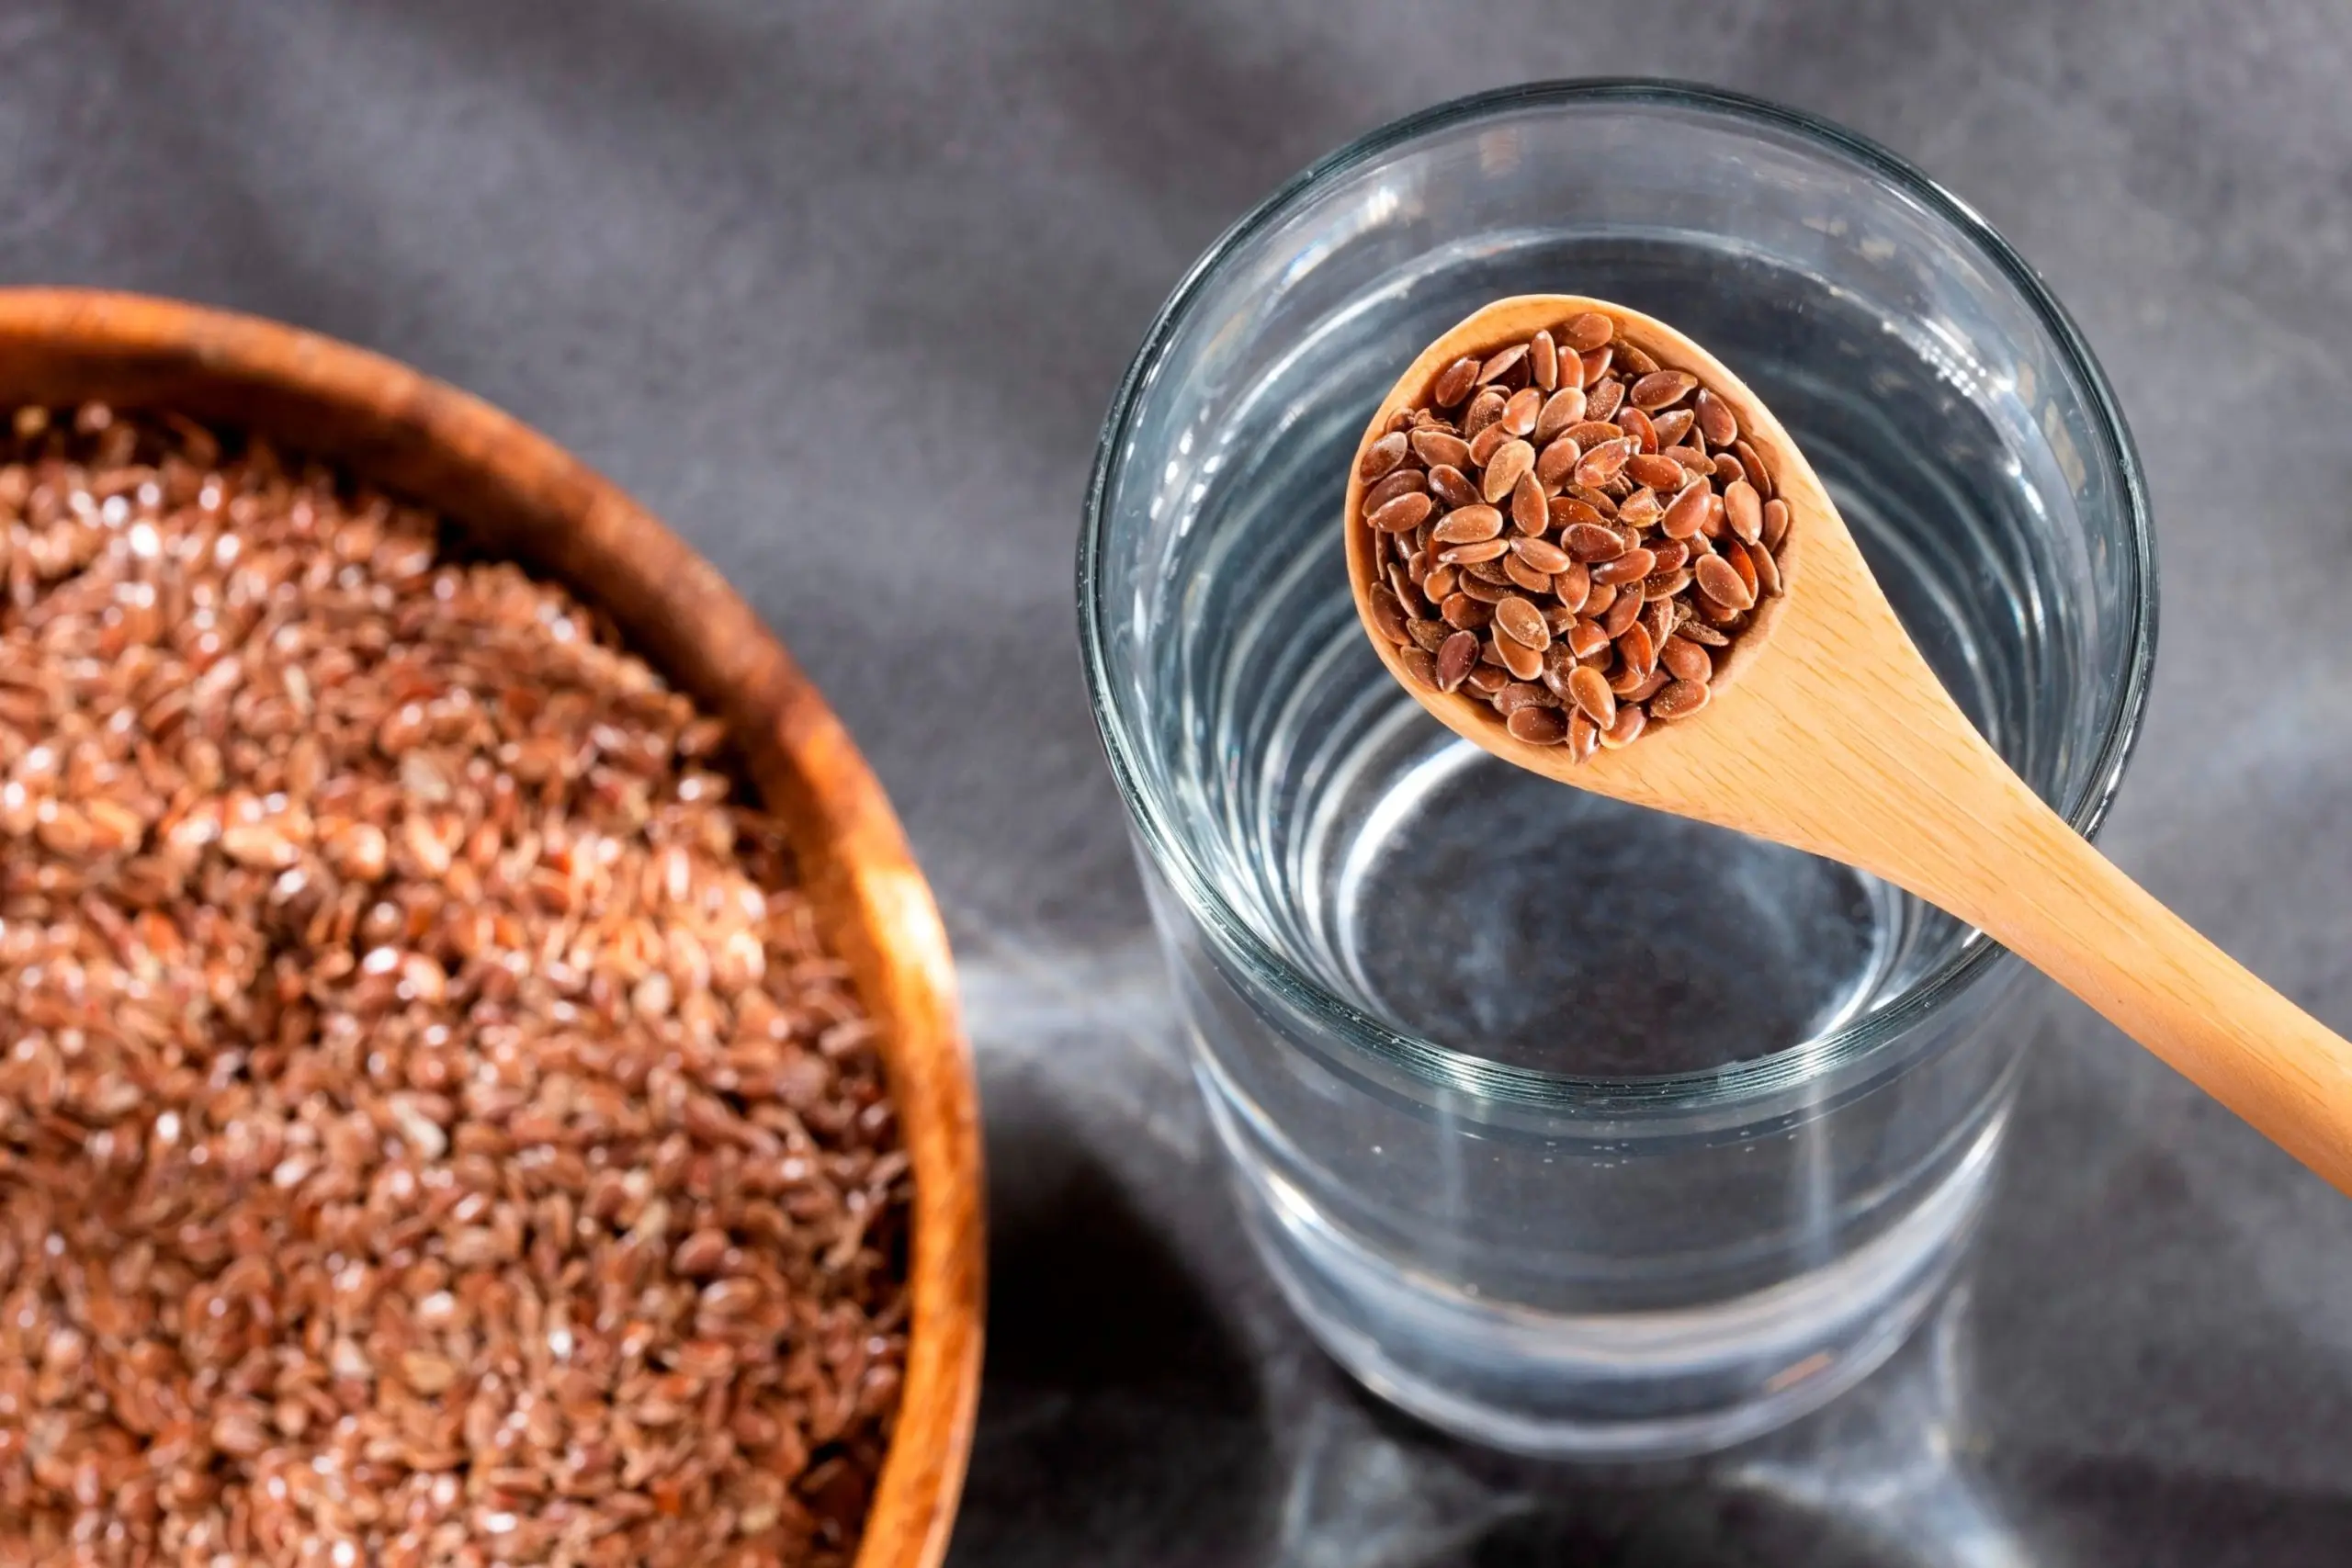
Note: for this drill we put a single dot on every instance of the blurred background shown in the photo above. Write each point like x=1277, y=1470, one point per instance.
x=842, y=290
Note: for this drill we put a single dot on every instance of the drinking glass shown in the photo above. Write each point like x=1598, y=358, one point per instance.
x=1567, y=1126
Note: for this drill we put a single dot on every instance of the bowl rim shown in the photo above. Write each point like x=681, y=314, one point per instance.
x=1427, y=1063
x=844, y=828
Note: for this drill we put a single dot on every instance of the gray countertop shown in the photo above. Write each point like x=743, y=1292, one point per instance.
x=843, y=289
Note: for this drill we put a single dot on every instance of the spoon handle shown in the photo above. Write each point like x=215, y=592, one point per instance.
x=2021, y=874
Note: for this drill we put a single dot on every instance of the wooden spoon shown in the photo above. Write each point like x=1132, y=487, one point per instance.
x=1829, y=732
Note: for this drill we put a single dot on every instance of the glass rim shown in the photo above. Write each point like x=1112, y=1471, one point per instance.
x=1441, y=1066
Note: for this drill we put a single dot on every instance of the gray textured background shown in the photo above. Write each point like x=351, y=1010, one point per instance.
x=843, y=289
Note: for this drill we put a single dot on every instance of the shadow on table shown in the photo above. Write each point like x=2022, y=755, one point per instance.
x=1886, y=1478
x=1117, y=1414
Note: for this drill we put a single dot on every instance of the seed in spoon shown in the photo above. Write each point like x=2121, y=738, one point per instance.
x=1538, y=725
x=1590, y=690
x=1454, y=384
x=1588, y=509
x=1720, y=581
x=1407, y=512
x=1519, y=414
x=1436, y=447
x=1511, y=459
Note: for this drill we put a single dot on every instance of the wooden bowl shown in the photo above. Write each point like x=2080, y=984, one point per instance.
x=518, y=493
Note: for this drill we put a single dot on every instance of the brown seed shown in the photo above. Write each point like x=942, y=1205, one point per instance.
x=1523, y=663
x=1467, y=525
x=1629, y=566
x=1686, y=660
x=1589, y=689
x=1595, y=366
x=1600, y=464
x=1466, y=613
x=1428, y=635
x=1486, y=443
x=1471, y=553
x=1407, y=512
x=1520, y=621
x=1622, y=613
x=1695, y=463
x=1584, y=738
x=1500, y=362
x=1485, y=409
x=1567, y=511
x=1542, y=556
x=1664, y=584
x=1671, y=426
x=1454, y=657
x=1743, y=563
x=1633, y=360
x=1681, y=699
x=1776, y=523
x=1381, y=456
x=1437, y=583
x=1637, y=424
x=1640, y=510
x=1601, y=600
x=1720, y=581
x=1716, y=421
x=1561, y=410
x=1657, y=619
x=1658, y=473
x=1670, y=554
x=1404, y=481
x=1573, y=587
x=1436, y=447
x=1727, y=469
x=1698, y=631
x=1744, y=511
x=1593, y=542
x=1387, y=616
x=1521, y=695
x=1557, y=461
x=1624, y=680
x=1636, y=650
x=1587, y=332
x=1585, y=639
x=1524, y=575
x=1538, y=725
x=1687, y=512
x=1663, y=389
x=1451, y=486
x=1543, y=361
x=1453, y=383
x=1601, y=401
x=1592, y=432
x=1758, y=474
x=1713, y=526
x=1402, y=584
x=1511, y=459
x=1631, y=719
x=1519, y=414
x=1657, y=682
x=1486, y=680
x=1418, y=663
x=1767, y=571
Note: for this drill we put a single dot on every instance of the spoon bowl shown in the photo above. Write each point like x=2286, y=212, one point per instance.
x=1827, y=730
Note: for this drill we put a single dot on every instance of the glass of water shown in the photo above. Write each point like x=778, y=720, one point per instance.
x=1567, y=1126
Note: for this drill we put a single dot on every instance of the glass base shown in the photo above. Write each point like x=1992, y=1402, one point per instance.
x=1618, y=1386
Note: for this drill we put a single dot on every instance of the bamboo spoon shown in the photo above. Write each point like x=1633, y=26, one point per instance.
x=1829, y=732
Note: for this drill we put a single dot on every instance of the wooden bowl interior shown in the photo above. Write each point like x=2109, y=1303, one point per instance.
x=516, y=493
